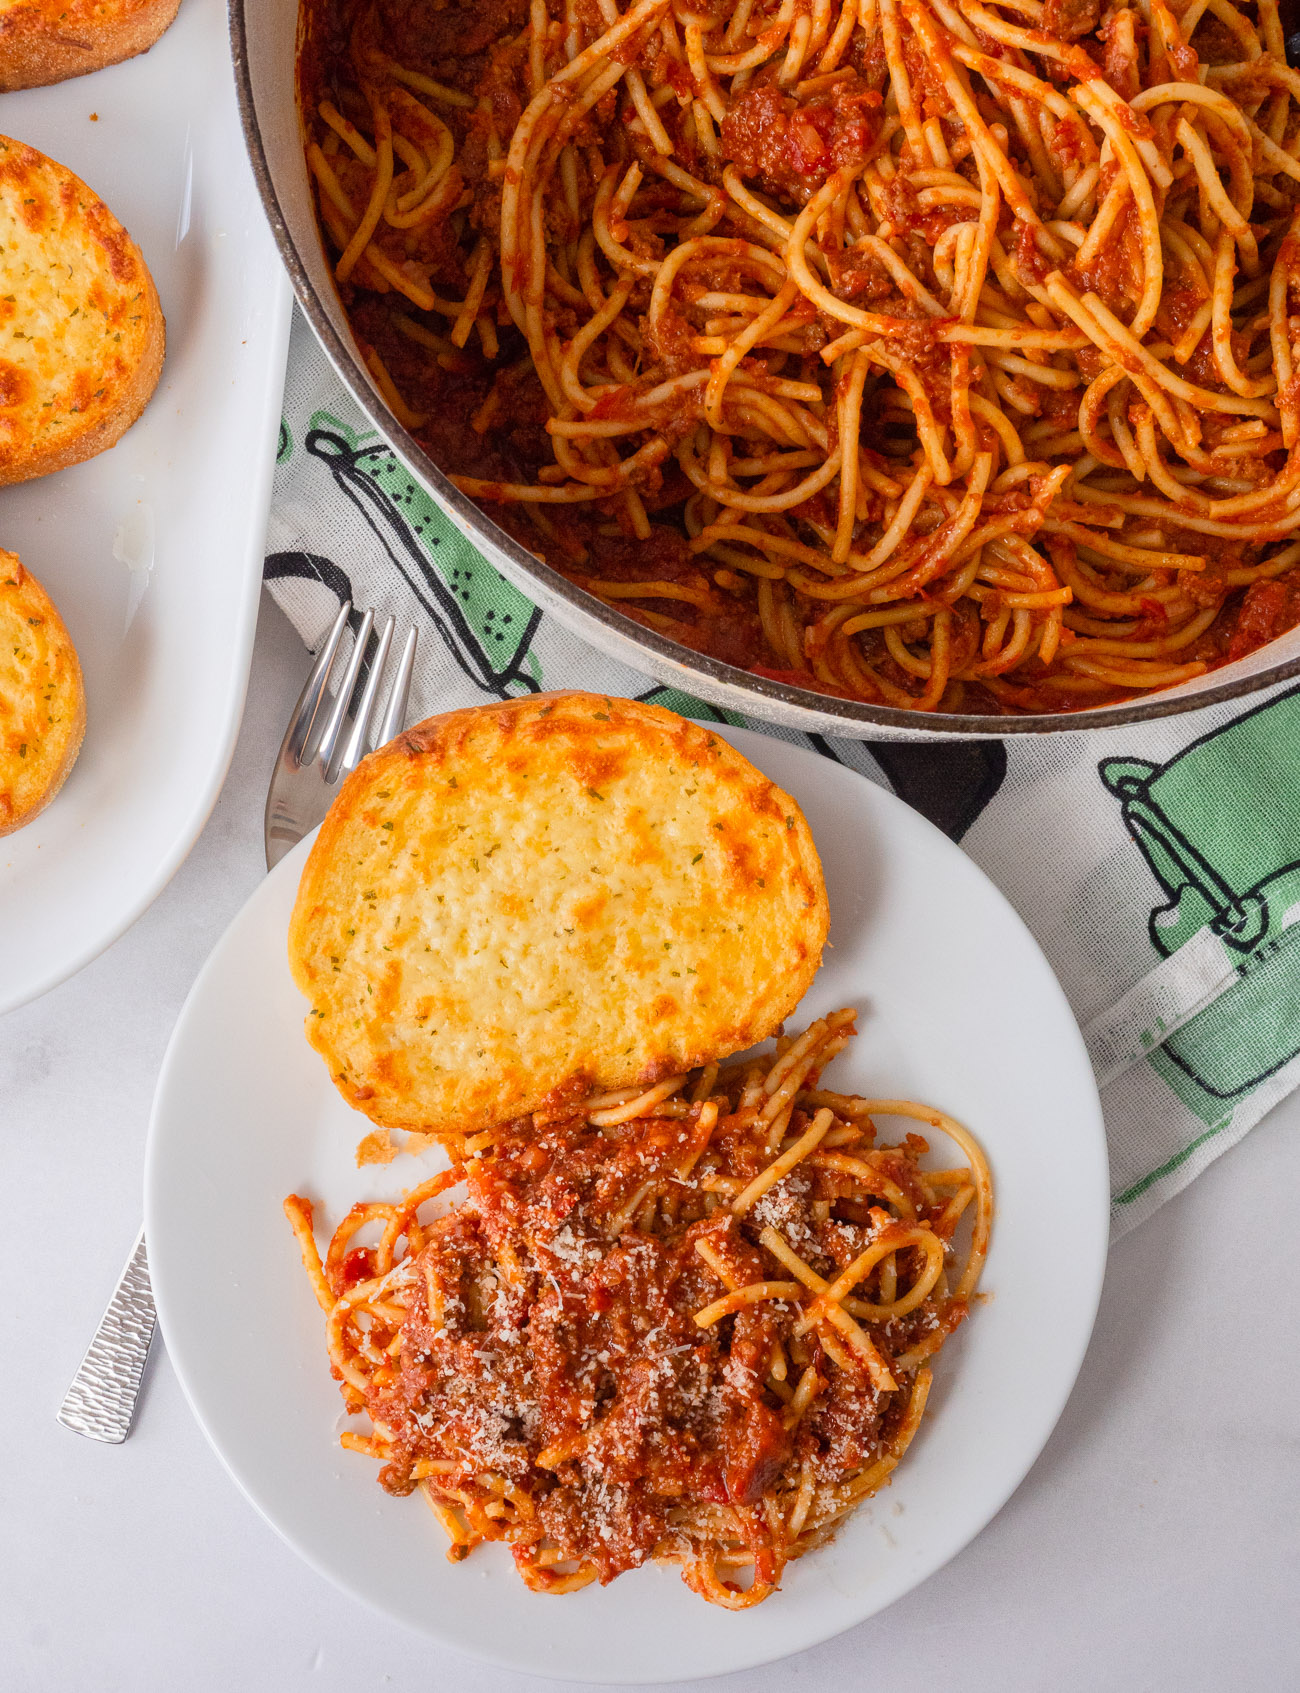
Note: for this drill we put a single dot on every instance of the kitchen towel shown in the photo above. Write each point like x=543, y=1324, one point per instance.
x=1158, y=866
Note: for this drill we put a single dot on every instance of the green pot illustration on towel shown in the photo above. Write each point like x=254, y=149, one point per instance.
x=1219, y=826
x=485, y=622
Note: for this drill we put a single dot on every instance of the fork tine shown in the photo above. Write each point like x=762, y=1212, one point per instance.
x=313, y=694
x=395, y=716
x=355, y=746
x=342, y=699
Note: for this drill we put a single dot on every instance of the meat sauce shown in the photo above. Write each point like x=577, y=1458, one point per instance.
x=787, y=148
x=555, y=1347
x=1267, y=610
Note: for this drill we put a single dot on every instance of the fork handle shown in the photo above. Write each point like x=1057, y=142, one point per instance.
x=102, y=1399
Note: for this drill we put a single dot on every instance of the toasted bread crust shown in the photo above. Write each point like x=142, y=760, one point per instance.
x=42, y=701
x=80, y=323
x=44, y=41
x=520, y=901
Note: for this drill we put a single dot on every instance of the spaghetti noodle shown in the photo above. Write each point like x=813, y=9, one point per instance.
x=694, y=1324
x=936, y=353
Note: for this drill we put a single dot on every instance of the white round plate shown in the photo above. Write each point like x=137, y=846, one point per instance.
x=958, y=1008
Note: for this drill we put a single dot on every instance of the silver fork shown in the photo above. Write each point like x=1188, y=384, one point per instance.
x=326, y=739
x=328, y=736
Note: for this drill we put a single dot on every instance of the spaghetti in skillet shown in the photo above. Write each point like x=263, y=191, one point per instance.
x=694, y=1325
x=936, y=353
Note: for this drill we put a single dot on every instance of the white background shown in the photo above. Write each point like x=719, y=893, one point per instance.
x=1156, y=1544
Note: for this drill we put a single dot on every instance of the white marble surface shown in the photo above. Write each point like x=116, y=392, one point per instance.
x=1156, y=1544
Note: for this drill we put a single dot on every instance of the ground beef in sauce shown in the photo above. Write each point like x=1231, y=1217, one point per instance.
x=1070, y=19
x=1268, y=609
x=788, y=149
